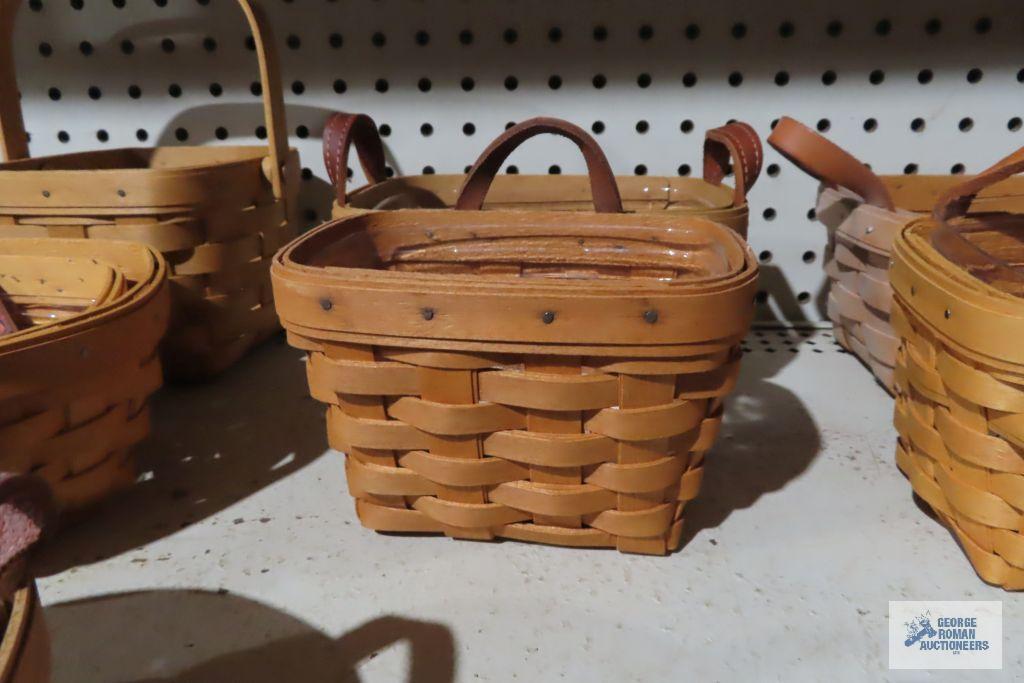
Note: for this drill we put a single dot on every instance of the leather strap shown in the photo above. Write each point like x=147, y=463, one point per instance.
x=27, y=512
x=829, y=163
x=956, y=201
x=603, y=187
x=739, y=142
x=14, y=139
x=341, y=131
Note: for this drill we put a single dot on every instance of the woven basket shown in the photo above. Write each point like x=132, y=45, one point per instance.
x=864, y=213
x=732, y=146
x=25, y=647
x=217, y=214
x=960, y=374
x=542, y=376
x=76, y=373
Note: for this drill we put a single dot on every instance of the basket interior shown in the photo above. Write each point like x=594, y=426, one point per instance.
x=37, y=290
x=137, y=159
x=545, y=192
x=988, y=246
x=532, y=244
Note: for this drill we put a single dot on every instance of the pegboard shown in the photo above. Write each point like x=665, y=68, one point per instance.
x=909, y=86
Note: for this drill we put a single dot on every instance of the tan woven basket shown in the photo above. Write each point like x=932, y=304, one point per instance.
x=960, y=373
x=76, y=373
x=25, y=647
x=217, y=214
x=864, y=213
x=734, y=146
x=542, y=376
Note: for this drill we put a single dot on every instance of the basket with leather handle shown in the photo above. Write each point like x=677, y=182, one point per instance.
x=79, y=360
x=545, y=376
x=863, y=213
x=959, y=313
x=26, y=516
x=734, y=146
x=217, y=214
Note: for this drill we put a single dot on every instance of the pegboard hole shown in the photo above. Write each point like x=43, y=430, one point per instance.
x=644, y=80
x=803, y=297
x=684, y=170
x=555, y=82
x=692, y=32
x=739, y=30
x=302, y=132
x=600, y=33
x=422, y=38
x=646, y=32
x=876, y=77
x=1014, y=124
x=466, y=37
x=511, y=83
x=883, y=27
x=554, y=169
x=917, y=125
x=735, y=79
x=141, y=135
x=167, y=45
x=597, y=127
x=769, y=214
x=510, y=36
x=925, y=76
x=102, y=135
x=765, y=256
x=809, y=257
x=221, y=133
x=686, y=126
x=181, y=134
x=870, y=125
x=689, y=79
x=134, y=92
x=829, y=77
x=94, y=92
x=340, y=86
x=384, y=130
x=965, y=124
x=599, y=81
x=261, y=132
x=512, y=169
x=642, y=127
x=298, y=87
x=957, y=169
x=54, y=94
x=933, y=26
x=975, y=75
x=378, y=39
x=910, y=169
x=467, y=84
x=834, y=28
x=640, y=169
x=45, y=49
x=86, y=48
x=424, y=85
x=429, y=170
x=468, y=129
x=787, y=29
x=782, y=78
x=381, y=85
x=256, y=88
x=983, y=25
x=174, y=90
x=216, y=89
x=335, y=40
x=761, y=297
x=823, y=125
x=127, y=47
x=426, y=130
x=812, y=214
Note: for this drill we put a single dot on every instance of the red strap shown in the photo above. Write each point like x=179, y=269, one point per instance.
x=340, y=132
x=828, y=162
x=739, y=142
x=603, y=187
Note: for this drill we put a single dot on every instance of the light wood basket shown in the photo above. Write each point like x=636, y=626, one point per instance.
x=734, y=147
x=76, y=373
x=959, y=313
x=535, y=375
x=25, y=646
x=217, y=214
x=864, y=213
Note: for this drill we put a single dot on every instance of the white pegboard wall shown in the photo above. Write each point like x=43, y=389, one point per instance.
x=909, y=87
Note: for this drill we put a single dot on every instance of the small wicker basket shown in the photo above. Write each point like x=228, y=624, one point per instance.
x=864, y=213
x=76, y=373
x=217, y=214
x=734, y=146
x=959, y=312
x=536, y=375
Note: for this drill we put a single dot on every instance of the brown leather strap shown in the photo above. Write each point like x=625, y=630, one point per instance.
x=956, y=201
x=27, y=512
x=828, y=162
x=739, y=142
x=14, y=139
x=341, y=131
x=602, y=181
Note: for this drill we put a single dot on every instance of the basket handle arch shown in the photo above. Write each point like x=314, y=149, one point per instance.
x=603, y=187
x=14, y=138
x=341, y=132
x=956, y=201
x=739, y=142
x=829, y=163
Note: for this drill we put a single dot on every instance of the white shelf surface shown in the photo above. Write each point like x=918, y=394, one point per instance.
x=239, y=557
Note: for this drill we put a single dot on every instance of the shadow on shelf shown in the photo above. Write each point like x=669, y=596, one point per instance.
x=211, y=445
x=180, y=636
x=768, y=437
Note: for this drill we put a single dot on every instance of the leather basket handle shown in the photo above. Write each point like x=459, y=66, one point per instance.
x=341, y=131
x=602, y=181
x=956, y=201
x=829, y=163
x=739, y=142
x=14, y=139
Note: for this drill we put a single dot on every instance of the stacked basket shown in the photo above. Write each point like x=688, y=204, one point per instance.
x=864, y=213
x=536, y=375
x=217, y=214
x=959, y=312
x=733, y=147
x=79, y=364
